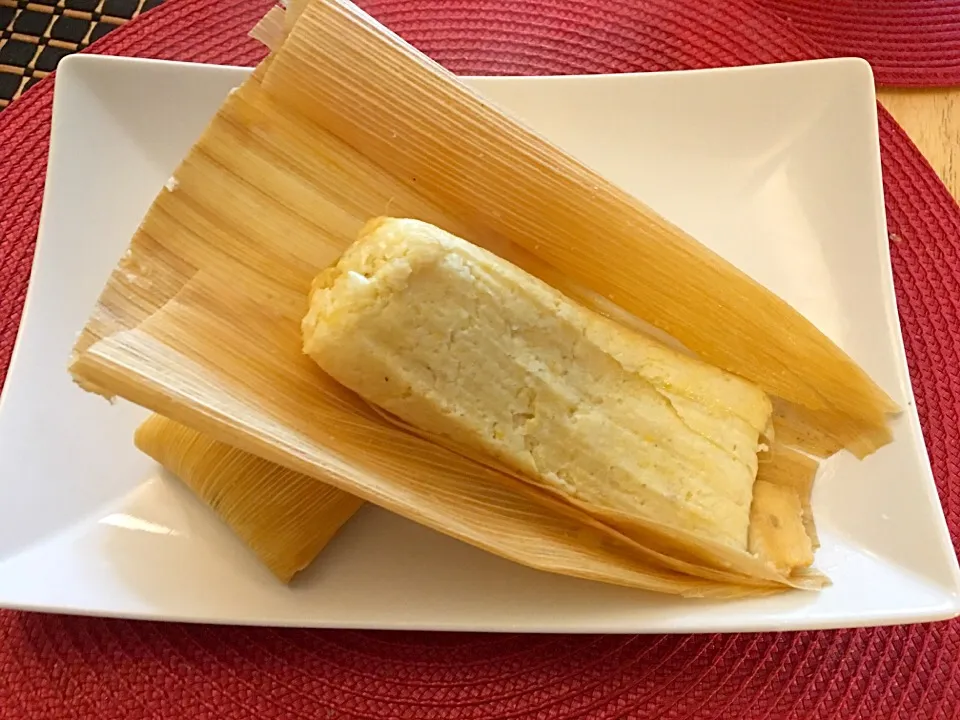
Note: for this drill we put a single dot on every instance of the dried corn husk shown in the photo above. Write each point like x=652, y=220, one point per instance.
x=284, y=517
x=287, y=518
x=272, y=27
x=199, y=322
x=673, y=547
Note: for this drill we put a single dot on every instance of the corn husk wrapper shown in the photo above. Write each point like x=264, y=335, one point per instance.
x=285, y=518
x=200, y=321
x=635, y=261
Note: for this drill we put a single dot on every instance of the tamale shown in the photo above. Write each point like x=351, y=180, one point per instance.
x=470, y=348
x=285, y=518
x=201, y=321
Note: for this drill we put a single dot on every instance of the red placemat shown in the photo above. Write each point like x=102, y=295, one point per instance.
x=909, y=43
x=53, y=667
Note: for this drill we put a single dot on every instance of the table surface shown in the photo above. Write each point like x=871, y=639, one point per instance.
x=932, y=120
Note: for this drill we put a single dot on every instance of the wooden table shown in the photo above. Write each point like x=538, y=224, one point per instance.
x=932, y=120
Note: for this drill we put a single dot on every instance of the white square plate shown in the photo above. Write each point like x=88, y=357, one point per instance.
x=775, y=167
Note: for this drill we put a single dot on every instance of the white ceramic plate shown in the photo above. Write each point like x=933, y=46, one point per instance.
x=776, y=167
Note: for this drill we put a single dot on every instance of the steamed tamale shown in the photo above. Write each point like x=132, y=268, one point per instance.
x=284, y=517
x=463, y=345
x=200, y=322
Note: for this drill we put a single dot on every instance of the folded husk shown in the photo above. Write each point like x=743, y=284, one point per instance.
x=199, y=322
x=284, y=517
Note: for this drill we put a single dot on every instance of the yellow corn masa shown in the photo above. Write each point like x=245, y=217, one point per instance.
x=463, y=345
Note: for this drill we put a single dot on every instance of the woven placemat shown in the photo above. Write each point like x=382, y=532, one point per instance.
x=909, y=43
x=63, y=667
x=36, y=34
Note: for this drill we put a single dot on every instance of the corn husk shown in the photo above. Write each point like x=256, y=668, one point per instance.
x=273, y=27
x=673, y=546
x=200, y=321
x=811, y=427
x=285, y=518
